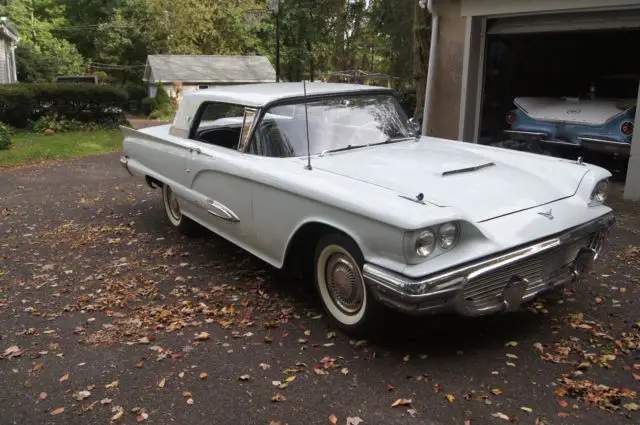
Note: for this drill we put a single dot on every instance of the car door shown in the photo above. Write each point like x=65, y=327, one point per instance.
x=219, y=175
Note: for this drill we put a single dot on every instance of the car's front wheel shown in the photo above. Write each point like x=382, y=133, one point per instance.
x=174, y=213
x=342, y=289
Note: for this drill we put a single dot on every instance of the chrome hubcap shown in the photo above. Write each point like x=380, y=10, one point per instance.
x=344, y=283
x=172, y=202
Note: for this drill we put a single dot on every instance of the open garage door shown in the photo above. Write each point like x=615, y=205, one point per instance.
x=585, y=21
x=579, y=57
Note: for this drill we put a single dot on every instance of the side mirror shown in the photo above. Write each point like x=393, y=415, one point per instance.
x=414, y=124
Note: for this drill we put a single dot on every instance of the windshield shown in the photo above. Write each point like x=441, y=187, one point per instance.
x=334, y=124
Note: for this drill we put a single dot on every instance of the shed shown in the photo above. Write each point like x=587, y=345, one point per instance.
x=486, y=52
x=9, y=38
x=196, y=72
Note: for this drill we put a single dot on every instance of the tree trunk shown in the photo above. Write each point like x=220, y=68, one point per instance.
x=341, y=27
x=419, y=55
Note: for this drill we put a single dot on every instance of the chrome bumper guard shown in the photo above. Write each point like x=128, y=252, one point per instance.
x=498, y=283
x=124, y=160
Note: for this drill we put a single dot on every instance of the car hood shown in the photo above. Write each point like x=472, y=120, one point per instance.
x=572, y=111
x=481, y=182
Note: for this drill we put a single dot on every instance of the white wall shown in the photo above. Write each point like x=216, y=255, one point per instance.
x=520, y=7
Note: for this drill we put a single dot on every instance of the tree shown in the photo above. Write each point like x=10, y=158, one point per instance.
x=42, y=54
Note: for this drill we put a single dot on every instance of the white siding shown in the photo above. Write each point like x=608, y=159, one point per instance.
x=521, y=7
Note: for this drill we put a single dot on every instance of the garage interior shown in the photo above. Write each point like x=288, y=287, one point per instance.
x=555, y=56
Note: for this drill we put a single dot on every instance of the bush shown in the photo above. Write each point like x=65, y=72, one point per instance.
x=164, y=112
x=60, y=124
x=147, y=105
x=5, y=136
x=20, y=103
x=162, y=97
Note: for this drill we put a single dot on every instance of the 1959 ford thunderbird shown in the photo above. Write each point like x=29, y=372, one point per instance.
x=336, y=177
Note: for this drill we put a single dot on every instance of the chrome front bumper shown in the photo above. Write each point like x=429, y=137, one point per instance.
x=497, y=283
x=594, y=144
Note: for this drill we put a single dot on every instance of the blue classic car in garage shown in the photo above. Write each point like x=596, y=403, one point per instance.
x=602, y=125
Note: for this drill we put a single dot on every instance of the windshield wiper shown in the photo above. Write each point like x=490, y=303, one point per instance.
x=346, y=148
x=392, y=140
x=349, y=147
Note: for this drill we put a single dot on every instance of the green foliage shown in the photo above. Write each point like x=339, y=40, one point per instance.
x=20, y=103
x=162, y=97
x=147, y=105
x=5, y=136
x=164, y=112
x=60, y=125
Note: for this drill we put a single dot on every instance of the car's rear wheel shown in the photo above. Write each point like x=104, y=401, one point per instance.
x=174, y=213
x=342, y=289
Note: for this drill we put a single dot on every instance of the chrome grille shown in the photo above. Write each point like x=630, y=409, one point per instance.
x=538, y=270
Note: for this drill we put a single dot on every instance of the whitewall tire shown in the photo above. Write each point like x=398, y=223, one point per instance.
x=173, y=211
x=341, y=286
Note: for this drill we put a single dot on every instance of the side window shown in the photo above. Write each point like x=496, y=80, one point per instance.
x=220, y=124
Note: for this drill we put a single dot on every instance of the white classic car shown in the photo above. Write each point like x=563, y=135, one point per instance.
x=335, y=177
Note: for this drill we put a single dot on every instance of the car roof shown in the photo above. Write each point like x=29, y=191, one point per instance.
x=258, y=95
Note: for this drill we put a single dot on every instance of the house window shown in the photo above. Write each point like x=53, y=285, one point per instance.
x=203, y=87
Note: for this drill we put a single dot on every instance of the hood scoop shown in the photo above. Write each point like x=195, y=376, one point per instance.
x=467, y=169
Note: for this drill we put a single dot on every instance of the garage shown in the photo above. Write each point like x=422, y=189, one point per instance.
x=578, y=58
x=503, y=56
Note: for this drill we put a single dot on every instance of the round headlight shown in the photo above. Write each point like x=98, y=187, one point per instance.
x=448, y=235
x=425, y=243
x=600, y=192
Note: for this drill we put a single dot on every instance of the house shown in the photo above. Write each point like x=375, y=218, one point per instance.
x=486, y=52
x=9, y=38
x=197, y=72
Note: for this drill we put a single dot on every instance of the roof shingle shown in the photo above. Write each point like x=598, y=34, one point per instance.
x=209, y=69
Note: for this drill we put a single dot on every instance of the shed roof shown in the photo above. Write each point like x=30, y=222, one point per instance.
x=209, y=69
x=7, y=28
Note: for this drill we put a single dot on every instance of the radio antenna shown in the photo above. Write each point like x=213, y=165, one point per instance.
x=306, y=122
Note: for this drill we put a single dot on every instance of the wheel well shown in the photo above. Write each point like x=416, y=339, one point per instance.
x=152, y=182
x=301, y=247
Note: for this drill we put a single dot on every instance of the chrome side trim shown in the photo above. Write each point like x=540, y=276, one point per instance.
x=606, y=146
x=603, y=141
x=219, y=210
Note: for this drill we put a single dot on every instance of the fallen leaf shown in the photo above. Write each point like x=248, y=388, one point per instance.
x=43, y=396
x=344, y=371
x=119, y=412
x=390, y=387
x=451, y=398
x=496, y=391
x=142, y=417
x=187, y=393
x=437, y=388
x=412, y=412
x=63, y=378
x=244, y=377
x=538, y=346
x=561, y=392
x=81, y=395
x=307, y=332
x=511, y=364
x=106, y=401
x=202, y=336
x=189, y=401
x=333, y=419
x=402, y=402
x=636, y=376
x=361, y=343
x=276, y=383
x=527, y=409
x=406, y=358
x=511, y=344
x=278, y=397
x=162, y=382
x=584, y=365
x=331, y=335
x=500, y=415
x=563, y=403
x=264, y=366
x=57, y=411
x=563, y=414
x=203, y=375
x=144, y=340
x=268, y=339
x=291, y=378
x=181, y=375
x=113, y=384
x=632, y=407
x=511, y=356
x=11, y=352
x=354, y=420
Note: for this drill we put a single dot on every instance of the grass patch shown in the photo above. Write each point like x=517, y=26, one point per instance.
x=29, y=148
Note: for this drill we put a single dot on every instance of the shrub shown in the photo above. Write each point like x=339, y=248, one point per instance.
x=20, y=103
x=164, y=112
x=162, y=97
x=59, y=124
x=147, y=105
x=5, y=136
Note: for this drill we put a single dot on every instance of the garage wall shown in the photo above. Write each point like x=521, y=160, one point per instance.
x=445, y=104
x=520, y=7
